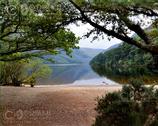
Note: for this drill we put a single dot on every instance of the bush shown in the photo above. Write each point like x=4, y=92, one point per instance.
x=34, y=71
x=12, y=73
x=16, y=73
x=135, y=105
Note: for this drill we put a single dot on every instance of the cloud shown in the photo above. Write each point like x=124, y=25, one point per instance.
x=82, y=29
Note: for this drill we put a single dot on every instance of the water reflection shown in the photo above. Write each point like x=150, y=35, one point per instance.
x=122, y=74
x=77, y=74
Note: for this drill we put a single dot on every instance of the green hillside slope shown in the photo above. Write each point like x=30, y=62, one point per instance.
x=124, y=55
x=124, y=63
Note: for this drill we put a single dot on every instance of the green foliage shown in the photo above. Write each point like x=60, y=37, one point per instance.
x=36, y=69
x=134, y=105
x=125, y=55
x=33, y=25
x=154, y=35
x=21, y=72
x=11, y=73
x=124, y=63
x=119, y=18
x=145, y=2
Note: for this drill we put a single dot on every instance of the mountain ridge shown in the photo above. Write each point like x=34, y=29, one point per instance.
x=81, y=55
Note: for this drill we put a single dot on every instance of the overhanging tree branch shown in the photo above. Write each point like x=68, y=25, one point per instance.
x=145, y=46
x=109, y=32
x=136, y=28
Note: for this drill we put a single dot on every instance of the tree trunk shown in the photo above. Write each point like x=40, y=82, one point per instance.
x=16, y=82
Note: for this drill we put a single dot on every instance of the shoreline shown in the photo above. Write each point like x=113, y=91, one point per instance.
x=77, y=85
x=64, y=85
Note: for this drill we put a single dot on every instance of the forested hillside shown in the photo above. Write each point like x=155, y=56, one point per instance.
x=128, y=55
x=124, y=63
x=124, y=55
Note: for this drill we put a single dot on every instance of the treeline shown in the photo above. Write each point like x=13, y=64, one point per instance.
x=124, y=55
x=128, y=55
x=125, y=63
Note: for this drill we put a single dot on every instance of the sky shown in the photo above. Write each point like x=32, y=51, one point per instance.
x=103, y=43
x=86, y=42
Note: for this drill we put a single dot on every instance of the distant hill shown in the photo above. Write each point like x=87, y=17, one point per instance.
x=82, y=55
x=112, y=47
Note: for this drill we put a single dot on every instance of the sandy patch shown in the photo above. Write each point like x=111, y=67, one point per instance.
x=50, y=105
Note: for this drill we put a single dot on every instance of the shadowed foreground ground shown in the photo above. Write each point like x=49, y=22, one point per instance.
x=50, y=106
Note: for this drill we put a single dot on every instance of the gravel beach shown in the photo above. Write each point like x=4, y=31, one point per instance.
x=50, y=105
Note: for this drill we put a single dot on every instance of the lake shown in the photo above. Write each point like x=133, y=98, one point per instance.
x=124, y=74
x=74, y=74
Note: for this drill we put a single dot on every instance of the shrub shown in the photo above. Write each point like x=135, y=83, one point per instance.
x=34, y=71
x=134, y=105
x=16, y=73
x=12, y=73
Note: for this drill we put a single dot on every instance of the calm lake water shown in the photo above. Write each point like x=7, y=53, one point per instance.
x=76, y=75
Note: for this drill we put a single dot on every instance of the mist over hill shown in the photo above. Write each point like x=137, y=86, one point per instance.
x=82, y=55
